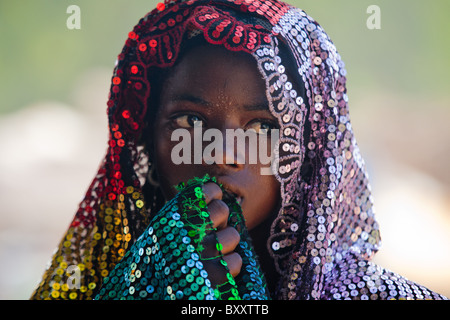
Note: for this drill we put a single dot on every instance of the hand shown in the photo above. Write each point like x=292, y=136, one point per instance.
x=227, y=236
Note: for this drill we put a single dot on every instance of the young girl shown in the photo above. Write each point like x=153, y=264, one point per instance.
x=158, y=223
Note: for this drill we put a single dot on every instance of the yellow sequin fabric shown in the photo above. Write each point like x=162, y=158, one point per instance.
x=97, y=239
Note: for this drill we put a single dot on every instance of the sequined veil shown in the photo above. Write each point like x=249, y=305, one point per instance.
x=325, y=233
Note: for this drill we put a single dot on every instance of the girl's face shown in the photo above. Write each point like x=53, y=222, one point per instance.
x=223, y=90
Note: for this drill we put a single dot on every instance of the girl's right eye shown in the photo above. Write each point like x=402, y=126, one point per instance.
x=187, y=121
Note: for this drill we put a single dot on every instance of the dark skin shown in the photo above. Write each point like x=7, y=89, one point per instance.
x=223, y=90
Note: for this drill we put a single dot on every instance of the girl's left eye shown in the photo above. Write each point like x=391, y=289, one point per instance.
x=262, y=127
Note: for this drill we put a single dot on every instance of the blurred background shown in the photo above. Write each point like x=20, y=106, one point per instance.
x=54, y=83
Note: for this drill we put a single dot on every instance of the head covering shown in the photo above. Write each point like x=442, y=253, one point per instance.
x=325, y=232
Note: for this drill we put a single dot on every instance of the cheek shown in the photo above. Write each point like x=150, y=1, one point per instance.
x=165, y=168
x=264, y=203
x=168, y=167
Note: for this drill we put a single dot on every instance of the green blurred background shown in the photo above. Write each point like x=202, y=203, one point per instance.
x=54, y=84
x=40, y=57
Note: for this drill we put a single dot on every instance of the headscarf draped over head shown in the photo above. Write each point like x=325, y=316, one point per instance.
x=325, y=233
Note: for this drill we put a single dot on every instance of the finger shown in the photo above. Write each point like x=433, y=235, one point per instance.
x=224, y=241
x=216, y=272
x=212, y=191
x=219, y=212
x=234, y=262
x=228, y=239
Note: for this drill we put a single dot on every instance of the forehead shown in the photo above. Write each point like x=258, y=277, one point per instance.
x=217, y=75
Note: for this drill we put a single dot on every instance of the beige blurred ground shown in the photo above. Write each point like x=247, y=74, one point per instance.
x=50, y=153
x=407, y=151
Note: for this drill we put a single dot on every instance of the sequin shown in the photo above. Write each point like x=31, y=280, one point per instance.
x=126, y=114
x=142, y=47
x=116, y=80
x=160, y=6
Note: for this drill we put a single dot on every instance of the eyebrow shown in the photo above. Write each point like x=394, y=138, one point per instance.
x=198, y=100
x=257, y=107
x=190, y=98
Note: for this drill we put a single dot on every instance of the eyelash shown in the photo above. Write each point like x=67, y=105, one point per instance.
x=271, y=124
x=190, y=123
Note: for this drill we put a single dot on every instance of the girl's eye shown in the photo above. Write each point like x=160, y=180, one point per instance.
x=187, y=121
x=262, y=127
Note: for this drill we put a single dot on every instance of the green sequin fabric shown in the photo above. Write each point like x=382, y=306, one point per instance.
x=167, y=263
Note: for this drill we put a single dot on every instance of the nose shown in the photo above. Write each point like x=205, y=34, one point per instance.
x=224, y=152
x=233, y=157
